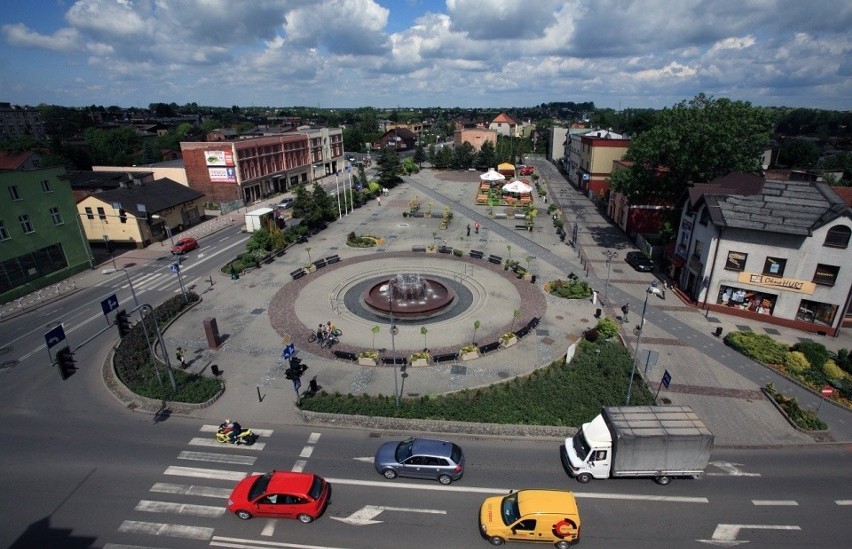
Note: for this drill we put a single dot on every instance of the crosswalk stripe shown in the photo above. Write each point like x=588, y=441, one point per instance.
x=314, y=438
x=179, y=508
x=203, y=473
x=213, y=443
x=240, y=543
x=217, y=458
x=299, y=466
x=306, y=452
x=191, y=490
x=171, y=530
x=789, y=502
x=258, y=432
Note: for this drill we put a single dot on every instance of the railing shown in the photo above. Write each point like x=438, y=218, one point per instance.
x=41, y=296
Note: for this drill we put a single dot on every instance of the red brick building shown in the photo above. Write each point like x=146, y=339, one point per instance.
x=246, y=171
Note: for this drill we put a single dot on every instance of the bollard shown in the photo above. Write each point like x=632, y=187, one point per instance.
x=597, y=313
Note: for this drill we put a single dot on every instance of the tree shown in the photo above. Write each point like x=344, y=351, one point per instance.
x=389, y=167
x=798, y=153
x=419, y=155
x=486, y=157
x=694, y=142
x=837, y=162
x=463, y=156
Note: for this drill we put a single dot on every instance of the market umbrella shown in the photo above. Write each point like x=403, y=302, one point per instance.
x=517, y=187
x=492, y=175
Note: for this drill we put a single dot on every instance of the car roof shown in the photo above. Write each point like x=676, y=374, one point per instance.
x=432, y=447
x=289, y=481
x=546, y=501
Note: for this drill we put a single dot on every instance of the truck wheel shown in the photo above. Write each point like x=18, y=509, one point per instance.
x=663, y=480
x=496, y=540
x=562, y=545
x=584, y=478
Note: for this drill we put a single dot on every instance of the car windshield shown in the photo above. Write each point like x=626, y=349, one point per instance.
x=456, y=454
x=259, y=487
x=509, y=509
x=316, y=488
x=403, y=451
x=581, y=446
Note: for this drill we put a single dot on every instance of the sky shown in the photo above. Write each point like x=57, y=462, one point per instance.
x=425, y=53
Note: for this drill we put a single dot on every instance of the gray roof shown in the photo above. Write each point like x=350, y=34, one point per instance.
x=157, y=196
x=785, y=207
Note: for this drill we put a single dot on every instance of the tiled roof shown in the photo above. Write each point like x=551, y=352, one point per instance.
x=157, y=196
x=13, y=160
x=505, y=118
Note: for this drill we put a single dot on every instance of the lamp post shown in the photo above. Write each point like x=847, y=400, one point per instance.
x=168, y=230
x=652, y=289
x=609, y=257
x=393, y=331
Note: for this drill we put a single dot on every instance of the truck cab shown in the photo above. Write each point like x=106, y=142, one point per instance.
x=548, y=516
x=588, y=454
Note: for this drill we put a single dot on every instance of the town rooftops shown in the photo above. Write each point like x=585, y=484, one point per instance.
x=157, y=195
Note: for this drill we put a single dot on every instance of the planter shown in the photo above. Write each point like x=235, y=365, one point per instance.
x=420, y=362
x=366, y=361
x=527, y=276
x=473, y=355
x=309, y=269
x=431, y=251
x=508, y=342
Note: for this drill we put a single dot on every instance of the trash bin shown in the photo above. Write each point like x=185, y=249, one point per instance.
x=234, y=274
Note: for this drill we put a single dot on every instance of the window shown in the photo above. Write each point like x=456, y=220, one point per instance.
x=699, y=248
x=4, y=234
x=774, y=266
x=24, y=220
x=89, y=213
x=102, y=215
x=45, y=186
x=705, y=215
x=838, y=237
x=13, y=191
x=736, y=261
x=56, y=216
x=826, y=275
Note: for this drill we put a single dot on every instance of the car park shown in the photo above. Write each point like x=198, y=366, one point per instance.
x=426, y=458
x=639, y=261
x=531, y=515
x=280, y=494
x=185, y=244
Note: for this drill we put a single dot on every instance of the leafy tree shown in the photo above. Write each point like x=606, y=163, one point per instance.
x=486, y=157
x=837, y=162
x=303, y=201
x=694, y=142
x=798, y=153
x=113, y=147
x=325, y=207
x=443, y=158
x=389, y=167
x=433, y=153
x=419, y=155
x=463, y=156
x=409, y=167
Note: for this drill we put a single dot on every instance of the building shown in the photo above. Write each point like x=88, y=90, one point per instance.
x=475, y=136
x=17, y=121
x=41, y=241
x=556, y=145
x=235, y=173
x=777, y=252
x=326, y=150
x=139, y=211
x=571, y=154
x=598, y=150
x=400, y=138
x=169, y=169
x=505, y=125
x=644, y=215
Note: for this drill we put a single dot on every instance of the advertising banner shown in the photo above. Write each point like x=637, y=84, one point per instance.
x=222, y=175
x=219, y=158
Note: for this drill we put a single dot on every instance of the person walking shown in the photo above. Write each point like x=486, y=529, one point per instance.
x=379, y=200
x=476, y=227
x=181, y=356
x=468, y=229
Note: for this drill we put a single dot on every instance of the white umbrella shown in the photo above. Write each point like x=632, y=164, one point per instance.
x=517, y=187
x=491, y=175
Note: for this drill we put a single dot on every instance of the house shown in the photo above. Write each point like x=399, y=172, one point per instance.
x=18, y=121
x=400, y=138
x=140, y=211
x=23, y=160
x=598, y=149
x=41, y=241
x=475, y=136
x=505, y=125
x=773, y=251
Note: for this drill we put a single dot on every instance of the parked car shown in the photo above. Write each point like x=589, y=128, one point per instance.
x=280, y=494
x=185, y=244
x=285, y=204
x=639, y=261
x=527, y=170
x=420, y=458
x=531, y=515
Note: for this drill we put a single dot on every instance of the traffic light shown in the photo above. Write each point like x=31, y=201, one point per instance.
x=123, y=323
x=65, y=359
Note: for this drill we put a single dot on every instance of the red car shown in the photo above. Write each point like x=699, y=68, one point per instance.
x=527, y=170
x=185, y=244
x=280, y=494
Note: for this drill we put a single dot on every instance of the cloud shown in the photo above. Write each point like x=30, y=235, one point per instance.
x=63, y=40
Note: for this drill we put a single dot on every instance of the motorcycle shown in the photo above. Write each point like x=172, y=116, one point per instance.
x=246, y=436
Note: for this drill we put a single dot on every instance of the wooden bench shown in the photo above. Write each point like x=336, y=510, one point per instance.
x=332, y=259
x=476, y=254
x=421, y=249
x=445, y=249
x=298, y=273
x=445, y=357
x=319, y=263
x=488, y=347
x=496, y=259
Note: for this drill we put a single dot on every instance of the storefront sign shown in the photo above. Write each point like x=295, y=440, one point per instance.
x=223, y=175
x=219, y=158
x=801, y=286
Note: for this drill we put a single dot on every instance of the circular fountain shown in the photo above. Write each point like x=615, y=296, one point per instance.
x=409, y=296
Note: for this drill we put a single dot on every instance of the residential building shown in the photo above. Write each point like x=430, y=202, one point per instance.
x=17, y=121
x=598, y=149
x=168, y=169
x=571, y=154
x=777, y=252
x=41, y=241
x=235, y=173
x=326, y=146
x=475, y=136
x=505, y=125
x=140, y=211
x=400, y=138
x=556, y=148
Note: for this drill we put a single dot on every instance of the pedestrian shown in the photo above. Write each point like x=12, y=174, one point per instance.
x=181, y=357
x=476, y=227
x=379, y=200
x=545, y=199
x=468, y=229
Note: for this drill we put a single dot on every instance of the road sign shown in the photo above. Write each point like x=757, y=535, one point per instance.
x=109, y=304
x=175, y=268
x=55, y=336
x=667, y=378
x=827, y=391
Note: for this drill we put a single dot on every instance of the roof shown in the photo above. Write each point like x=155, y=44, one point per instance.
x=845, y=194
x=14, y=160
x=505, y=118
x=784, y=207
x=157, y=196
x=546, y=501
x=289, y=482
x=88, y=180
x=733, y=183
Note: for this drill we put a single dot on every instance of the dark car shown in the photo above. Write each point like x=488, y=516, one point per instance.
x=185, y=244
x=640, y=262
x=420, y=458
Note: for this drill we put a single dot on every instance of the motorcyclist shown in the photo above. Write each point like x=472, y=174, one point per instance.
x=232, y=429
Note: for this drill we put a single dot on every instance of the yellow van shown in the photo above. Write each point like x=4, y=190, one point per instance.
x=531, y=515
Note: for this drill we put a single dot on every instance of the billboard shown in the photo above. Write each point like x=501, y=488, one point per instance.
x=222, y=175
x=219, y=158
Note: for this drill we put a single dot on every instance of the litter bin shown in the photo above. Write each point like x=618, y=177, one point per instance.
x=234, y=274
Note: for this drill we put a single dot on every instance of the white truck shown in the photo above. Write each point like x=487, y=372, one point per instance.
x=659, y=442
x=258, y=219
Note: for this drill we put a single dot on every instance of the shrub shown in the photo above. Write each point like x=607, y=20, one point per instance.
x=832, y=370
x=607, y=327
x=569, y=289
x=457, y=252
x=844, y=360
x=804, y=419
x=816, y=353
x=794, y=361
x=760, y=347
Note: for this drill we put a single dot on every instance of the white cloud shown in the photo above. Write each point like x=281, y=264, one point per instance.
x=63, y=40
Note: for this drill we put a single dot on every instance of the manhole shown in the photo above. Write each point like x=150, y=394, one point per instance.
x=503, y=375
x=560, y=317
x=257, y=311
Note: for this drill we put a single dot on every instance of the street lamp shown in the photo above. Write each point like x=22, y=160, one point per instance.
x=652, y=289
x=393, y=331
x=609, y=257
x=168, y=230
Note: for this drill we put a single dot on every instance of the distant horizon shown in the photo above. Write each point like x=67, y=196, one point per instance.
x=467, y=54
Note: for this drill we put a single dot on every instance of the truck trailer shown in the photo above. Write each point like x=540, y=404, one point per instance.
x=659, y=442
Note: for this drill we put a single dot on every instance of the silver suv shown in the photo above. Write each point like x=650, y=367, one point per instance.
x=420, y=458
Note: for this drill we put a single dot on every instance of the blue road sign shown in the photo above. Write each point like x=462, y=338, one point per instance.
x=667, y=378
x=109, y=304
x=175, y=268
x=55, y=336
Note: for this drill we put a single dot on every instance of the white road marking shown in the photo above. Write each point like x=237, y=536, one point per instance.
x=730, y=469
x=843, y=501
x=213, y=443
x=209, y=511
x=123, y=546
x=314, y=438
x=240, y=543
x=259, y=432
x=269, y=529
x=774, y=502
x=191, y=490
x=171, y=530
x=299, y=466
x=217, y=458
x=306, y=452
x=365, y=515
x=204, y=473
x=726, y=534
x=366, y=459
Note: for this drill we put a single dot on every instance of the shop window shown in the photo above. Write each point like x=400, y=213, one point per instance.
x=838, y=237
x=774, y=266
x=814, y=311
x=736, y=261
x=826, y=275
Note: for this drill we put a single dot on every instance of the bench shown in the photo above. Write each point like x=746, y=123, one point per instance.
x=488, y=347
x=346, y=355
x=445, y=357
x=476, y=254
x=523, y=331
x=393, y=360
x=320, y=263
x=421, y=249
x=534, y=322
x=332, y=259
x=521, y=228
x=500, y=215
x=495, y=259
x=298, y=273
x=445, y=249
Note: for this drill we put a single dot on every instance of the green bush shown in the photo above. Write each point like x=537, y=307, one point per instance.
x=832, y=370
x=607, y=327
x=569, y=289
x=794, y=361
x=844, y=360
x=760, y=347
x=816, y=353
x=804, y=419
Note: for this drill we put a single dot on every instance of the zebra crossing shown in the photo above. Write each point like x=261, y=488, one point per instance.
x=156, y=281
x=195, y=489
